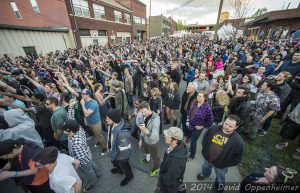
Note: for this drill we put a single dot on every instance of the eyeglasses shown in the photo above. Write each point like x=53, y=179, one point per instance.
x=47, y=104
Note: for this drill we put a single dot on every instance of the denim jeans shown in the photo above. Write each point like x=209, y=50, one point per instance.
x=220, y=174
x=194, y=138
x=267, y=124
x=185, y=129
x=90, y=172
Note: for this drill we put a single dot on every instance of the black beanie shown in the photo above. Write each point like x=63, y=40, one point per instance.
x=115, y=116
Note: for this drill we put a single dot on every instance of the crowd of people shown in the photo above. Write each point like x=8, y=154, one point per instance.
x=53, y=103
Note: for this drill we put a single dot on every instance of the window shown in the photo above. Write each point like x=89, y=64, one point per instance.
x=84, y=32
x=118, y=16
x=101, y=33
x=136, y=20
x=143, y=22
x=127, y=18
x=16, y=10
x=81, y=8
x=99, y=11
x=34, y=6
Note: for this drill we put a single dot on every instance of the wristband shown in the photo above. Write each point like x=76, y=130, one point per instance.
x=17, y=174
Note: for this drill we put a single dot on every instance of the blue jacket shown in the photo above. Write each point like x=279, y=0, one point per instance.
x=190, y=74
x=121, y=144
x=292, y=68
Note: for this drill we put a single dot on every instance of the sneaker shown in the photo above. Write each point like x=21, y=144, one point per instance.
x=154, y=173
x=262, y=133
x=125, y=181
x=281, y=145
x=103, y=152
x=144, y=161
x=97, y=145
x=200, y=177
x=296, y=156
x=298, y=149
x=116, y=171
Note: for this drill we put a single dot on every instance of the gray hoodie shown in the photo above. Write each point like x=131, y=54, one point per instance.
x=153, y=126
x=20, y=126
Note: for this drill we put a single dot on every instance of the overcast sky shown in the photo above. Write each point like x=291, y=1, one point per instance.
x=206, y=11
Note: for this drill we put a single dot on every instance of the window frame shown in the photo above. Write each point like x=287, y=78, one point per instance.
x=82, y=8
x=120, y=16
x=127, y=18
x=100, y=10
x=16, y=10
x=35, y=7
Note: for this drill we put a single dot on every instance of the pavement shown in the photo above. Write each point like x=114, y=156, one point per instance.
x=142, y=182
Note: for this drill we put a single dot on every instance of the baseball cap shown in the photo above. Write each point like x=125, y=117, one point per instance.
x=87, y=92
x=8, y=145
x=174, y=132
x=71, y=125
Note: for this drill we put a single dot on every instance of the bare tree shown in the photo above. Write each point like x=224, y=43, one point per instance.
x=240, y=11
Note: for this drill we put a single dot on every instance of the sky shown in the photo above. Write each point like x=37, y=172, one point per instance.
x=206, y=11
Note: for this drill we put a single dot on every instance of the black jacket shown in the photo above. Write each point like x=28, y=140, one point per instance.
x=232, y=152
x=29, y=149
x=241, y=107
x=184, y=100
x=172, y=169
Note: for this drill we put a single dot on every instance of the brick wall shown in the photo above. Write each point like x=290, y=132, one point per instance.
x=52, y=14
x=96, y=24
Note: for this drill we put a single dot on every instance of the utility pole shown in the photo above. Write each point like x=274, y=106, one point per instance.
x=218, y=19
x=149, y=21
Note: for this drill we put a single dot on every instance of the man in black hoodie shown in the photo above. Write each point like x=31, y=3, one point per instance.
x=222, y=147
x=173, y=165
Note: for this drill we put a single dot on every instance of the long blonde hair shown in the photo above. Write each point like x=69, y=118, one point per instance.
x=223, y=99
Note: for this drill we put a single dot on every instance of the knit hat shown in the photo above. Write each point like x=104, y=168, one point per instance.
x=174, y=132
x=46, y=156
x=8, y=145
x=115, y=116
x=71, y=125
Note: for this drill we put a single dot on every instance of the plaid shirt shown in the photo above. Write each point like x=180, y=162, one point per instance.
x=200, y=116
x=78, y=147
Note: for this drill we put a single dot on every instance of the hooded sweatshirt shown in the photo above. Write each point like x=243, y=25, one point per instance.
x=172, y=168
x=20, y=126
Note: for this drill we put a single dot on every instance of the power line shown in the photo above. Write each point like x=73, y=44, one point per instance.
x=179, y=7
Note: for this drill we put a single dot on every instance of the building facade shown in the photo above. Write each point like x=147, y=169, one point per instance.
x=139, y=24
x=274, y=25
x=29, y=26
x=159, y=26
x=97, y=22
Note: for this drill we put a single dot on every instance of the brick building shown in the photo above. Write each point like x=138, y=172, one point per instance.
x=34, y=26
x=274, y=24
x=99, y=21
x=139, y=29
